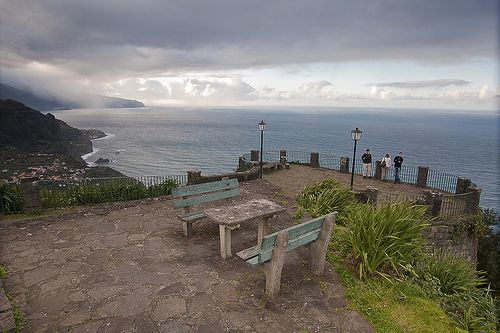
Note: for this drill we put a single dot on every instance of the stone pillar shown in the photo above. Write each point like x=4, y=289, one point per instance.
x=314, y=161
x=378, y=170
x=434, y=200
x=282, y=156
x=463, y=184
x=243, y=165
x=473, y=204
x=371, y=194
x=30, y=187
x=344, y=164
x=193, y=177
x=254, y=155
x=423, y=171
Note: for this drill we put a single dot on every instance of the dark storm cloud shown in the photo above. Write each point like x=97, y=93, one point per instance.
x=440, y=83
x=123, y=37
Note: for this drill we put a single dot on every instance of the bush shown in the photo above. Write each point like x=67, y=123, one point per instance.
x=11, y=199
x=324, y=197
x=387, y=238
x=457, y=285
x=488, y=252
x=103, y=191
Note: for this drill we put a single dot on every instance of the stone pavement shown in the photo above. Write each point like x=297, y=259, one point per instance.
x=128, y=268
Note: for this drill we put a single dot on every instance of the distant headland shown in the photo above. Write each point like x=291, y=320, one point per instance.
x=33, y=144
x=44, y=103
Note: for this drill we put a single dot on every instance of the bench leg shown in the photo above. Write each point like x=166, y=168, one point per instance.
x=274, y=267
x=319, y=247
x=263, y=230
x=187, y=227
x=225, y=242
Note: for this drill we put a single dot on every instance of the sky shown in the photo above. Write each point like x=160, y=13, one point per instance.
x=377, y=53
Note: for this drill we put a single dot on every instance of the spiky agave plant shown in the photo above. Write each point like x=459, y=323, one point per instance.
x=387, y=238
x=325, y=197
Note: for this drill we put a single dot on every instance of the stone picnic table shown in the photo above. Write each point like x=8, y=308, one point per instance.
x=230, y=217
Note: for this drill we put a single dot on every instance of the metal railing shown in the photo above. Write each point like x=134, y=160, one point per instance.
x=457, y=204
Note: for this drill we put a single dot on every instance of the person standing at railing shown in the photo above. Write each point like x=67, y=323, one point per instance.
x=386, y=165
x=398, y=160
x=367, y=164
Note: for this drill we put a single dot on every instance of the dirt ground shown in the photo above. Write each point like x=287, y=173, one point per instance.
x=128, y=268
x=292, y=181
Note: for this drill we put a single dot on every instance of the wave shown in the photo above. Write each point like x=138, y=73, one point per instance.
x=108, y=136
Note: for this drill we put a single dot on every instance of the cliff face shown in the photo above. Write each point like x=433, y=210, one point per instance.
x=28, y=130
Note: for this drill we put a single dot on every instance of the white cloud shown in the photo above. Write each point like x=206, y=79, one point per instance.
x=485, y=92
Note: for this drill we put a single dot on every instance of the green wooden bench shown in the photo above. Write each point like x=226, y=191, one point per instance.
x=271, y=252
x=187, y=196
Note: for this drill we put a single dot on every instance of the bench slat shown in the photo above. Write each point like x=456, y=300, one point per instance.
x=267, y=255
x=204, y=188
x=207, y=198
x=191, y=216
x=249, y=253
x=293, y=232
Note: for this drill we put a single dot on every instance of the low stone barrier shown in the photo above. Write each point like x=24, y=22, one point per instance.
x=195, y=177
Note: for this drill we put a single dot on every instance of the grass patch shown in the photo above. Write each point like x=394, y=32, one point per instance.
x=3, y=272
x=393, y=306
x=19, y=318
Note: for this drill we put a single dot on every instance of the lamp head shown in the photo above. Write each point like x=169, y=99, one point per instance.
x=356, y=134
x=262, y=126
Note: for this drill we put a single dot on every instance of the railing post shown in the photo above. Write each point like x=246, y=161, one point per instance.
x=378, y=170
x=193, y=177
x=434, y=200
x=422, y=174
x=254, y=155
x=372, y=193
x=282, y=156
x=30, y=187
x=475, y=198
x=463, y=184
x=344, y=164
x=314, y=160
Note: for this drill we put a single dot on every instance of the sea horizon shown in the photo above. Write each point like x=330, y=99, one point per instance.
x=172, y=140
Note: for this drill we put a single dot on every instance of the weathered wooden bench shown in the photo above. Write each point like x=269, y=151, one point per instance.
x=192, y=195
x=271, y=252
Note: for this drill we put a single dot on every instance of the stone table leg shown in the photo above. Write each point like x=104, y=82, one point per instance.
x=264, y=227
x=225, y=241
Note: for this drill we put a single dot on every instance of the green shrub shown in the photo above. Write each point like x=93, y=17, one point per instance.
x=387, y=238
x=449, y=275
x=324, y=197
x=103, y=191
x=11, y=199
x=457, y=285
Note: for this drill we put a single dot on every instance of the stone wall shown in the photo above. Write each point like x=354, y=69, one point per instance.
x=443, y=237
x=195, y=177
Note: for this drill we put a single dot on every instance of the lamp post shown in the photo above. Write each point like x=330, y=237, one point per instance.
x=262, y=127
x=356, y=136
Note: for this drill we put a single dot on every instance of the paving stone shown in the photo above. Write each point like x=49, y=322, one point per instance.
x=174, y=288
x=175, y=326
x=4, y=302
x=198, y=302
x=101, y=292
x=144, y=324
x=54, y=303
x=78, y=296
x=91, y=327
x=38, y=275
x=62, y=282
x=128, y=305
x=7, y=322
x=168, y=308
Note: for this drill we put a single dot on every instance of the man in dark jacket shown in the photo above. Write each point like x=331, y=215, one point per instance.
x=398, y=160
x=367, y=164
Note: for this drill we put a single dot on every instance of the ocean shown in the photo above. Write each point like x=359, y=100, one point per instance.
x=169, y=141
